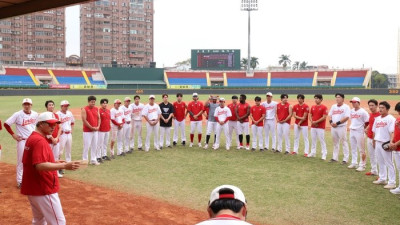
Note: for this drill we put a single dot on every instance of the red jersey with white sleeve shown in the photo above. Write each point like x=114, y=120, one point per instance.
x=300, y=110
x=270, y=109
x=232, y=107
x=358, y=119
x=117, y=117
x=256, y=112
x=105, y=120
x=337, y=113
x=24, y=123
x=317, y=112
x=371, y=121
x=179, y=110
x=242, y=110
x=282, y=111
x=136, y=111
x=396, y=135
x=151, y=111
x=195, y=108
x=91, y=117
x=222, y=114
x=67, y=120
x=383, y=127
x=35, y=182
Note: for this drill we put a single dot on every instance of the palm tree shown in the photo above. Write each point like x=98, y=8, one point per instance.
x=296, y=65
x=243, y=63
x=303, y=65
x=284, y=61
x=254, y=62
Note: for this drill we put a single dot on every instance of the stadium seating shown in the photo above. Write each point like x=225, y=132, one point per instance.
x=16, y=77
x=89, y=73
x=69, y=76
x=239, y=79
x=292, y=79
x=187, y=78
x=353, y=78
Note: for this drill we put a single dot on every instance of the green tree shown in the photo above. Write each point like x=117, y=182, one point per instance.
x=243, y=63
x=296, y=65
x=254, y=62
x=183, y=63
x=379, y=80
x=303, y=65
x=284, y=60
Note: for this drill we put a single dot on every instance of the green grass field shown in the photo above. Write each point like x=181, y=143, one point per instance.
x=280, y=189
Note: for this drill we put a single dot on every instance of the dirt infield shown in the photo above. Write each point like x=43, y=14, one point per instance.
x=87, y=204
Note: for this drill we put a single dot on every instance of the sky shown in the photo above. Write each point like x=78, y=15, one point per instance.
x=340, y=33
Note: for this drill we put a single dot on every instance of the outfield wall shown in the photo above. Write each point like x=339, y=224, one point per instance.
x=50, y=92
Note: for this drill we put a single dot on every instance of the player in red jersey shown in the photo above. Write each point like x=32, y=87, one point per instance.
x=233, y=122
x=257, y=115
x=395, y=146
x=300, y=113
x=195, y=109
x=179, y=119
x=284, y=116
x=373, y=107
x=242, y=112
x=318, y=114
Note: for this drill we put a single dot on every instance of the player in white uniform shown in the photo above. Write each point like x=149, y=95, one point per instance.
x=136, y=108
x=233, y=122
x=270, y=121
x=222, y=114
x=359, y=118
x=25, y=122
x=227, y=206
x=117, y=123
x=66, y=127
x=339, y=115
x=126, y=129
x=383, y=129
x=152, y=113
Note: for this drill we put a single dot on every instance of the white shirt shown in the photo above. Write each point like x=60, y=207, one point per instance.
x=151, y=111
x=25, y=123
x=383, y=127
x=358, y=118
x=136, y=111
x=271, y=109
x=127, y=112
x=117, y=115
x=66, y=120
x=222, y=113
x=337, y=113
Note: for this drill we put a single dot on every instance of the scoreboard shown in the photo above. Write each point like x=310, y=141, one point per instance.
x=215, y=59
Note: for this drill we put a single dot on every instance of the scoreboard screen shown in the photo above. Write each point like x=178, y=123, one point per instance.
x=215, y=59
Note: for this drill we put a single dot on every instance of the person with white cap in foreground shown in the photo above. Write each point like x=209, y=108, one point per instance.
x=222, y=114
x=67, y=125
x=126, y=129
x=152, y=114
x=195, y=109
x=227, y=206
x=117, y=120
x=40, y=181
x=25, y=121
x=359, y=120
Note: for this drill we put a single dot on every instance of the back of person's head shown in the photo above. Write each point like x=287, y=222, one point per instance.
x=227, y=197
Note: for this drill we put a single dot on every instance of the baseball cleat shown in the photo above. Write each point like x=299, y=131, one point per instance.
x=332, y=160
x=106, y=158
x=247, y=147
x=238, y=147
x=287, y=153
x=352, y=166
x=199, y=145
x=323, y=157
x=169, y=146
x=130, y=152
x=395, y=191
x=174, y=143
x=183, y=142
x=305, y=155
x=380, y=182
x=190, y=145
x=277, y=151
x=312, y=155
x=371, y=173
x=59, y=175
x=390, y=186
x=261, y=149
x=94, y=163
x=293, y=153
x=253, y=149
x=140, y=149
x=360, y=168
x=205, y=146
x=160, y=147
x=61, y=171
x=131, y=149
x=344, y=162
x=227, y=148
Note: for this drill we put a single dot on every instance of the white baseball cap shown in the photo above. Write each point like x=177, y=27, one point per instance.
x=152, y=96
x=48, y=117
x=269, y=94
x=227, y=192
x=127, y=99
x=355, y=99
x=221, y=99
x=64, y=102
x=195, y=95
x=117, y=101
x=27, y=100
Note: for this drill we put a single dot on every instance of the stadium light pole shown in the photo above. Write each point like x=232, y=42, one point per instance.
x=249, y=5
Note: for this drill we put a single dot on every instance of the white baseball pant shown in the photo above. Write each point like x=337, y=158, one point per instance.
x=196, y=125
x=396, y=157
x=243, y=128
x=66, y=145
x=46, y=209
x=102, y=144
x=126, y=136
x=283, y=132
x=357, y=141
x=233, y=126
x=20, y=154
x=116, y=137
x=385, y=163
x=320, y=134
x=339, y=135
x=257, y=134
x=179, y=126
x=56, y=151
x=136, y=128
x=270, y=128
x=225, y=129
x=150, y=130
x=297, y=131
x=372, y=156
x=90, y=141
x=211, y=127
x=165, y=131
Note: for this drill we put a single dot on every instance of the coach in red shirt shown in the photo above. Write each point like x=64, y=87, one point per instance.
x=39, y=180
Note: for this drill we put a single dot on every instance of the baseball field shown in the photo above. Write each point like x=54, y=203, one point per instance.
x=172, y=186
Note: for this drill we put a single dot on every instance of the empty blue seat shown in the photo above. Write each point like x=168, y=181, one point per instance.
x=291, y=82
x=71, y=80
x=96, y=82
x=15, y=80
x=247, y=82
x=349, y=81
x=188, y=81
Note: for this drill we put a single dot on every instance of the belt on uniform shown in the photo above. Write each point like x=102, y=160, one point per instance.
x=66, y=132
